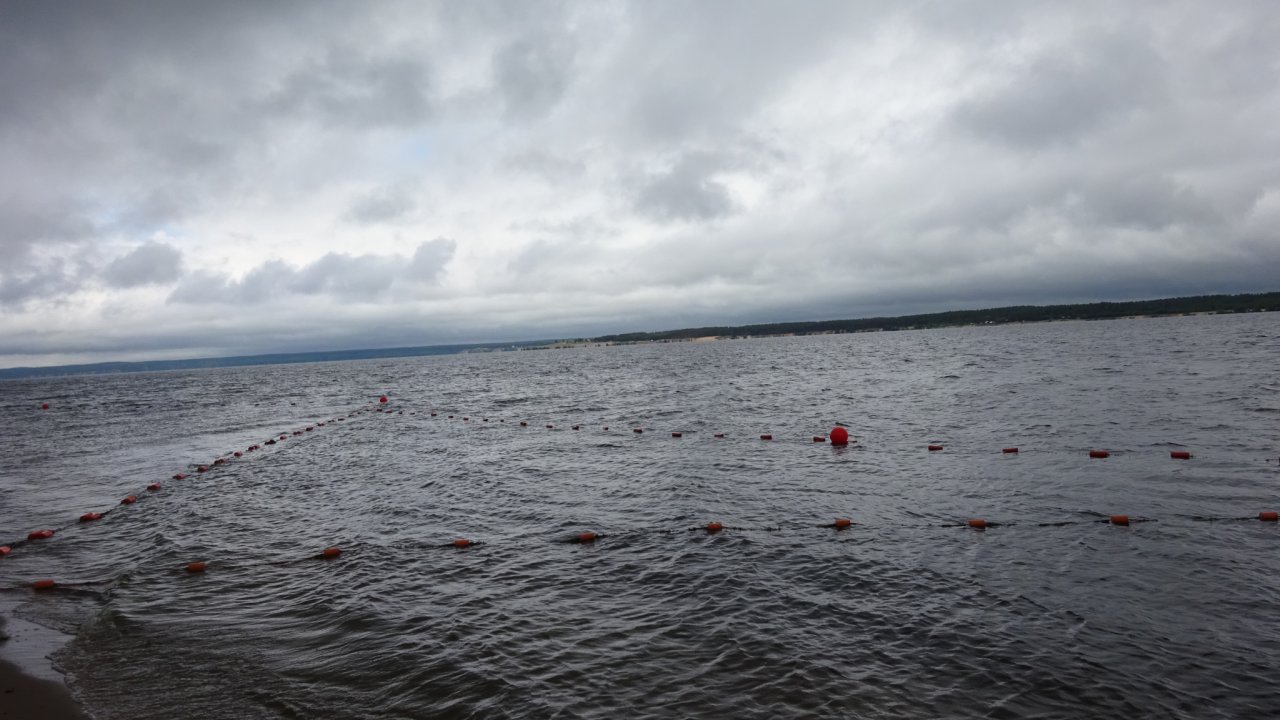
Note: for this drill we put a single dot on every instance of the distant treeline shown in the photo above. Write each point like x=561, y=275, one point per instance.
x=994, y=316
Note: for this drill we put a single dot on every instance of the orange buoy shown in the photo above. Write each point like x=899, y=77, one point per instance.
x=1099, y=454
x=1119, y=519
x=550, y=426
x=197, y=567
x=5, y=550
x=90, y=517
x=129, y=500
x=522, y=423
x=714, y=527
x=44, y=406
x=450, y=417
x=39, y=534
x=766, y=437
x=331, y=552
x=153, y=487
x=205, y=468
x=238, y=453
x=220, y=461
x=676, y=434
x=935, y=448
x=43, y=584
x=1179, y=454
x=819, y=438
x=284, y=437
x=839, y=436
x=577, y=427
x=179, y=476
x=1009, y=451
x=433, y=414
x=271, y=442
x=464, y=418
x=978, y=524
x=587, y=537
x=841, y=523
x=1268, y=516
x=383, y=399
x=719, y=435
x=637, y=430
x=462, y=543
x=309, y=428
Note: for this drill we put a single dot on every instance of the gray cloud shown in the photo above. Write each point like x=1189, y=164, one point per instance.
x=152, y=263
x=385, y=204
x=686, y=191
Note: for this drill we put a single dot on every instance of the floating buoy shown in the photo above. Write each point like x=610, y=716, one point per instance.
x=153, y=487
x=935, y=448
x=271, y=442
x=1179, y=454
x=330, y=552
x=43, y=584
x=978, y=524
x=549, y=426
x=1268, y=516
x=1009, y=451
x=203, y=468
x=819, y=438
x=462, y=543
x=284, y=437
x=841, y=523
x=587, y=537
x=1119, y=520
x=606, y=428
x=766, y=437
x=196, y=567
x=39, y=534
x=450, y=417
x=5, y=550
x=383, y=399
x=44, y=406
x=523, y=423
x=576, y=427
x=179, y=476
x=637, y=430
x=219, y=461
x=90, y=517
x=714, y=527
x=129, y=500
x=676, y=434
x=464, y=418
x=719, y=435
x=839, y=436
x=1099, y=454
x=309, y=428
x=238, y=453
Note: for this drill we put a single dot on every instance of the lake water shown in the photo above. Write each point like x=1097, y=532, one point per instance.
x=1054, y=613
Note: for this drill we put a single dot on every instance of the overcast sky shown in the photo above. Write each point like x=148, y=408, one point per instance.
x=185, y=179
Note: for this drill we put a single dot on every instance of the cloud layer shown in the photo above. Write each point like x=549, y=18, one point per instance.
x=221, y=178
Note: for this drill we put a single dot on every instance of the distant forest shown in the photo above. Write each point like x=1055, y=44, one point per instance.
x=1257, y=302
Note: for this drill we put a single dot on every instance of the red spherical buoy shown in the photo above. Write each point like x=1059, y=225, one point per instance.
x=331, y=552
x=44, y=406
x=197, y=567
x=153, y=487
x=1180, y=454
x=383, y=399
x=1099, y=454
x=587, y=537
x=978, y=524
x=462, y=543
x=90, y=517
x=43, y=584
x=5, y=550
x=1269, y=516
x=238, y=454
x=1119, y=519
x=179, y=476
x=39, y=534
x=841, y=523
x=935, y=448
x=714, y=527
x=839, y=436
x=129, y=500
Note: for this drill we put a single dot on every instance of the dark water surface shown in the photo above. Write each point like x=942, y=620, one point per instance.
x=895, y=617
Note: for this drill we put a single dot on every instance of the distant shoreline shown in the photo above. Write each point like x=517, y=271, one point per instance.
x=1165, y=307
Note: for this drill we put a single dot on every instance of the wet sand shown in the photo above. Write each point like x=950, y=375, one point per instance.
x=30, y=687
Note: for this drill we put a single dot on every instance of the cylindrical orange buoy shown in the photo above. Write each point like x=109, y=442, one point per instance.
x=331, y=552
x=129, y=500
x=587, y=537
x=719, y=435
x=179, y=476
x=433, y=414
x=465, y=418
x=839, y=436
x=238, y=453
x=383, y=399
x=39, y=534
x=1268, y=516
x=220, y=461
x=1009, y=451
x=819, y=438
x=550, y=426
x=524, y=424
x=5, y=550
x=978, y=524
x=1179, y=454
x=1119, y=519
x=577, y=427
x=205, y=468
x=309, y=428
x=153, y=487
x=197, y=567
x=676, y=434
x=90, y=517
x=637, y=430
x=935, y=448
x=841, y=523
x=714, y=527
x=766, y=436
x=43, y=584
x=1099, y=454
x=462, y=543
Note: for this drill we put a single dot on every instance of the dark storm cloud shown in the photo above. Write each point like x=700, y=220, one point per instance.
x=149, y=264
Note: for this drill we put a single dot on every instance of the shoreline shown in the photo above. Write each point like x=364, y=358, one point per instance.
x=30, y=685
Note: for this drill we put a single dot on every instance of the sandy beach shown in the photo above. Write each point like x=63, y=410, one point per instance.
x=30, y=688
